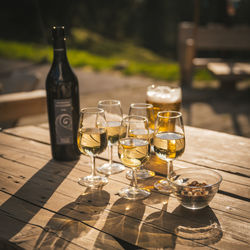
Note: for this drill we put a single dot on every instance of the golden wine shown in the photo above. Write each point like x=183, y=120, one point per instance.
x=92, y=141
x=113, y=130
x=142, y=134
x=133, y=152
x=169, y=145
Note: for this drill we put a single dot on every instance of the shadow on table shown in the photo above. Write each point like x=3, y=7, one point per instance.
x=123, y=222
x=193, y=228
x=73, y=220
x=202, y=226
x=33, y=195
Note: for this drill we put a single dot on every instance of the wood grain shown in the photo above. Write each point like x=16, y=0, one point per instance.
x=16, y=105
x=42, y=205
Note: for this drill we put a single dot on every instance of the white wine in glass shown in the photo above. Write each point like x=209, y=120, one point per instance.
x=113, y=114
x=92, y=140
x=168, y=142
x=133, y=152
x=146, y=110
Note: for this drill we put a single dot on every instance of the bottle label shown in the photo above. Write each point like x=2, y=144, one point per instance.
x=63, y=121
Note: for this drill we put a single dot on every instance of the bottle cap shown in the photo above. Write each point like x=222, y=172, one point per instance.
x=58, y=32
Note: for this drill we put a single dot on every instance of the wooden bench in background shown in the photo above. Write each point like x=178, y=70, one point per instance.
x=213, y=37
x=16, y=105
x=20, y=98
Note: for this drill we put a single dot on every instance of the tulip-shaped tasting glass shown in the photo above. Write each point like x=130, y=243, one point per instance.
x=113, y=114
x=168, y=142
x=145, y=110
x=92, y=140
x=133, y=152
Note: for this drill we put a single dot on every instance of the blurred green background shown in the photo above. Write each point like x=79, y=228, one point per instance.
x=132, y=36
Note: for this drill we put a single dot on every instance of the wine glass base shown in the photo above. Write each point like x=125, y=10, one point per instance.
x=108, y=169
x=163, y=186
x=93, y=181
x=141, y=174
x=132, y=193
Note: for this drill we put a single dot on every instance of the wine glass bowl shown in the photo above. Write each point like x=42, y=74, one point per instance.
x=133, y=152
x=168, y=142
x=146, y=110
x=113, y=114
x=194, y=188
x=143, y=109
x=92, y=141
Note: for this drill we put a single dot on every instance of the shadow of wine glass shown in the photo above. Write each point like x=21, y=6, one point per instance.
x=74, y=220
x=202, y=226
x=156, y=230
x=123, y=224
x=182, y=226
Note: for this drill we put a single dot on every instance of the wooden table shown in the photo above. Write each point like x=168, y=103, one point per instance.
x=43, y=207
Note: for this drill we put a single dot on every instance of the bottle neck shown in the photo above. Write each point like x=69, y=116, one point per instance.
x=59, y=49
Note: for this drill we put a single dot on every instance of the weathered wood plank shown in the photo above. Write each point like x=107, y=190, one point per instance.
x=39, y=233
x=16, y=174
x=237, y=184
x=20, y=158
x=16, y=105
x=38, y=133
x=203, y=147
x=74, y=221
x=158, y=223
x=218, y=148
x=64, y=191
x=200, y=150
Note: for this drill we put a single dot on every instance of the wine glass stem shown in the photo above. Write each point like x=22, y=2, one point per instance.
x=141, y=167
x=93, y=165
x=134, y=178
x=110, y=154
x=169, y=169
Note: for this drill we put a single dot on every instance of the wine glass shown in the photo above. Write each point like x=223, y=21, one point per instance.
x=91, y=141
x=145, y=110
x=133, y=152
x=168, y=143
x=113, y=114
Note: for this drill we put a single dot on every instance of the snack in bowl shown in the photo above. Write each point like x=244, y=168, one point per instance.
x=195, y=187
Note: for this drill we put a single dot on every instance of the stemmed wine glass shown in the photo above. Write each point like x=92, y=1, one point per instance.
x=92, y=140
x=113, y=114
x=146, y=110
x=133, y=152
x=168, y=142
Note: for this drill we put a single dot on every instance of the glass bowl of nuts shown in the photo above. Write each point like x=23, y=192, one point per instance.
x=195, y=187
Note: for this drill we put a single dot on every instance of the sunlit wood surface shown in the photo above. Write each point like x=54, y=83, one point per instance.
x=43, y=207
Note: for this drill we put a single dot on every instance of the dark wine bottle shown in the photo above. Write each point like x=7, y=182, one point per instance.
x=62, y=102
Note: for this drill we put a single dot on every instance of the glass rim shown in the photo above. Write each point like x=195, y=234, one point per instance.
x=142, y=118
x=153, y=86
x=141, y=105
x=108, y=102
x=92, y=110
x=199, y=170
x=177, y=114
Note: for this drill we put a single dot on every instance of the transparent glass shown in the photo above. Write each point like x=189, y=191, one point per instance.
x=195, y=187
x=113, y=114
x=133, y=152
x=168, y=143
x=91, y=141
x=145, y=110
x=164, y=97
